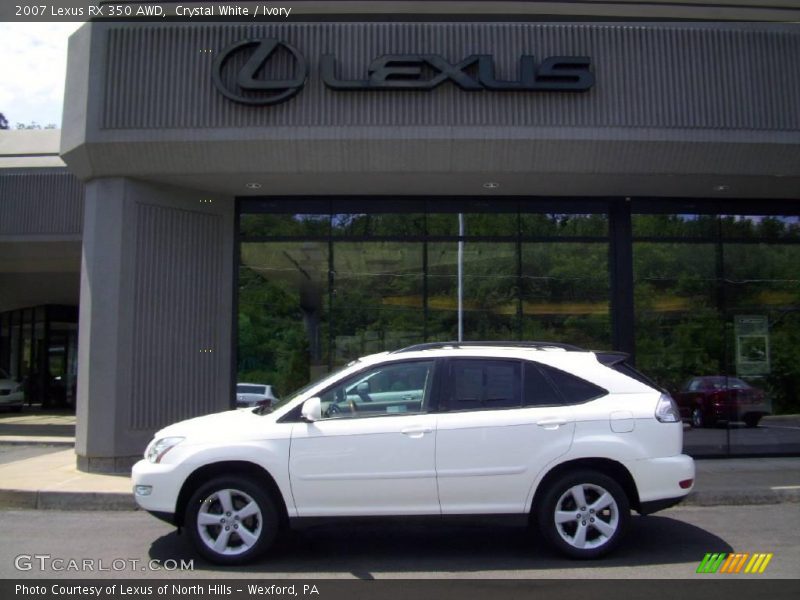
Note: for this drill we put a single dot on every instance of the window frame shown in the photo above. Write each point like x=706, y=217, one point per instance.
x=425, y=406
x=446, y=389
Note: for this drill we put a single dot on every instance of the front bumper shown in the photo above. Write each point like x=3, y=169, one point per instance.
x=156, y=486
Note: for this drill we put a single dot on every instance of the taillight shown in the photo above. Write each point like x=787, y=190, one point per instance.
x=667, y=410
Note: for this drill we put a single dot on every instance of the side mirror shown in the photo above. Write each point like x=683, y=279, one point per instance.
x=312, y=410
x=362, y=388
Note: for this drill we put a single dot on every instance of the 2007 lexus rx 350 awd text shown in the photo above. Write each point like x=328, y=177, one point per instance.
x=572, y=439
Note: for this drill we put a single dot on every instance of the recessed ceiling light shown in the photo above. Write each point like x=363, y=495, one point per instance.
x=721, y=188
x=253, y=185
x=491, y=185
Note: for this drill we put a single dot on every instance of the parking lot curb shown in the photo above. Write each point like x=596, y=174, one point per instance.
x=58, y=500
x=27, y=441
x=741, y=497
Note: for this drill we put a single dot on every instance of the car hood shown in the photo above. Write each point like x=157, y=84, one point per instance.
x=8, y=384
x=241, y=424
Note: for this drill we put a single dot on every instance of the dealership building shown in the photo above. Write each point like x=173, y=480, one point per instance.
x=265, y=201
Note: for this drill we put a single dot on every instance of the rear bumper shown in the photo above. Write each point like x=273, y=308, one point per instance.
x=658, y=480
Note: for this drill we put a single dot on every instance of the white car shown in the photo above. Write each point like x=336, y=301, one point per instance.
x=12, y=394
x=569, y=439
x=250, y=395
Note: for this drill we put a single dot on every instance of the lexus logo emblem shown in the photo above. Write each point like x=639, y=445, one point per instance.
x=260, y=91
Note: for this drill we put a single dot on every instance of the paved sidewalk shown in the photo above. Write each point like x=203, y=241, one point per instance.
x=46, y=477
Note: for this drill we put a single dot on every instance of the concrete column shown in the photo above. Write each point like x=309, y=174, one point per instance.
x=155, y=315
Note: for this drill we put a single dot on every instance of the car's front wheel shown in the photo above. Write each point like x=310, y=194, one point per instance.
x=584, y=514
x=231, y=520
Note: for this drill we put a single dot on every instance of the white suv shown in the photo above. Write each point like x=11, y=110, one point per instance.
x=569, y=439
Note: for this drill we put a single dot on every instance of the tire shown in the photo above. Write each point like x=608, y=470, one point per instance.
x=559, y=510
x=752, y=420
x=244, y=532
x=699, y=418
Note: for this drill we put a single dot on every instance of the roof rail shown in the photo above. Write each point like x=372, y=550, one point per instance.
x=532, y=345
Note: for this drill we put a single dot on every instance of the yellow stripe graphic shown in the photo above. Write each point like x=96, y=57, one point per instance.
x=754, y=563
x=765, y=563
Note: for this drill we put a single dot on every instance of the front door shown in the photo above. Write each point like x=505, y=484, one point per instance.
x=373, y=453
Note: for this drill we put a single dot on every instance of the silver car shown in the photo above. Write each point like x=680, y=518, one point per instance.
x=11, y=393
x=249, y=395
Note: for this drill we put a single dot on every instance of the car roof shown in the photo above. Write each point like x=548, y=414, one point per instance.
x=579, y=362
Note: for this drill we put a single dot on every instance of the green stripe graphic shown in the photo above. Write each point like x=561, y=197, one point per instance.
x=701, y=568
x=711, y=562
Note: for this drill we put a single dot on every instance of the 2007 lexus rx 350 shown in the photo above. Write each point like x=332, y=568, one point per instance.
x=570, y=438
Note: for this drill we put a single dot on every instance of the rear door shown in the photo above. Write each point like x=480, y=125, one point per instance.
x=500, y=422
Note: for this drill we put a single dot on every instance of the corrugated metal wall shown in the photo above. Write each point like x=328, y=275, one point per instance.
x=736, y=76
x=178, y=282
x=40, y=202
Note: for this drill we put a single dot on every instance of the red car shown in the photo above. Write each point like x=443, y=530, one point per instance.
x=705, y=401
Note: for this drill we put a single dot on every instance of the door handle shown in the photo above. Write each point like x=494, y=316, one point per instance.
x=416, y=431
x=551, y=423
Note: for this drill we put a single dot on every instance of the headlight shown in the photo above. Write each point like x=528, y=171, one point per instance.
x=158, y=448
x=666, y=410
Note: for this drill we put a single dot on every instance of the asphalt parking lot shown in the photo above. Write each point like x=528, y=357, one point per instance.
x=668, y=545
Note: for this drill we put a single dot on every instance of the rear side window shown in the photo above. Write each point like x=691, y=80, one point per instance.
x=484, y=384
x=573, y=390
x=538, y=389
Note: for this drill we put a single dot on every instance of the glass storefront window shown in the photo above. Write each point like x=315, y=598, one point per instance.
x=283, y=313
x=294, y=225
x=386, y=278
x=490, y=291
x=377, y=297
x=676, y=226
x=762, y=298
x=716, y=297
x=770, y=227
x=565, y=291
x=717, y=324
x=378, y=225
x=567, y=225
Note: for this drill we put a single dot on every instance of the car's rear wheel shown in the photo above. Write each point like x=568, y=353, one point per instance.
x=231, y=520
x=584, y=514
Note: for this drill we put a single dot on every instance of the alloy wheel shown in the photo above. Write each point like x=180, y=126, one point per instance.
x=586, y=516
x=229, y=522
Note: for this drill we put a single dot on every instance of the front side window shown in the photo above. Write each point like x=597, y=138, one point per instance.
x=393, y=389
x=483, y=384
